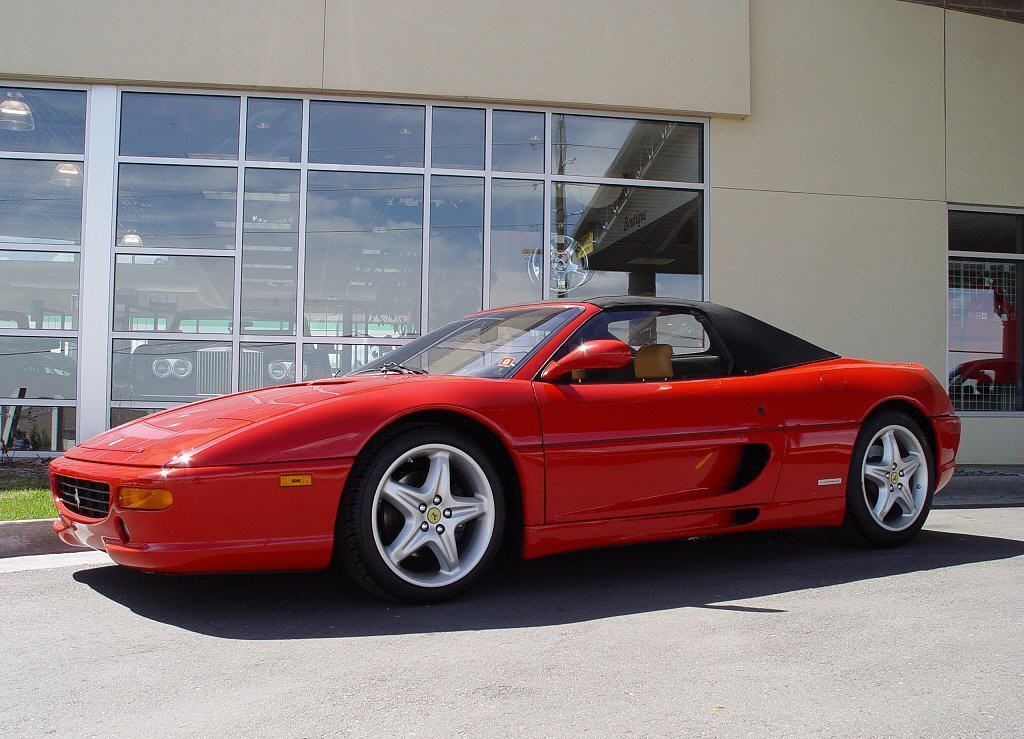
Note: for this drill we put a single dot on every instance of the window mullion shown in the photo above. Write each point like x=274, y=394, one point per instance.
x=97, y=260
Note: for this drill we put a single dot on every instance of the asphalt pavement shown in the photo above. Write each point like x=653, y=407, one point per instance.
x=778, y=634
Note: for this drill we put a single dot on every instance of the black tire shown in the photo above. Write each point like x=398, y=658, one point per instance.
x=355, y=546
x=859, y=526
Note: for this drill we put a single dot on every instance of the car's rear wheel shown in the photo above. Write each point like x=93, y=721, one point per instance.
x=422, y=516
x=891, y=481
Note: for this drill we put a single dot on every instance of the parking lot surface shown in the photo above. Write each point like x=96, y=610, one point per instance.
x=775, y=634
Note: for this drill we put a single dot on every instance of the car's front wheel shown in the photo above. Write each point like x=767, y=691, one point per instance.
x=891, y=482
x=422, y=516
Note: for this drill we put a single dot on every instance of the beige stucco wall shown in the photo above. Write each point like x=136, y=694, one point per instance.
x=828, y=212
x=673, y=55
x=828, y=204
x=229, y=42
x=683, y=55
x=992, y=440
x=861, y=276
x=985, y=110
x=846, y=97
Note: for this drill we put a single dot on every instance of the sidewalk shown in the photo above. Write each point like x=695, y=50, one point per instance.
x=983, y=486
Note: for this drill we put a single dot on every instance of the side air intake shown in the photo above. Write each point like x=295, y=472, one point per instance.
x=754, y=459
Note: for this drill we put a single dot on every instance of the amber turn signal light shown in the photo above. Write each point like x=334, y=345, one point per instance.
x=144, y=499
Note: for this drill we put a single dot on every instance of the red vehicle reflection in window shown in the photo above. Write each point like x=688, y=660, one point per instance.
x=984, y=341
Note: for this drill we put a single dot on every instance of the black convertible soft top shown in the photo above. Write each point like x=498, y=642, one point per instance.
x=755, y=346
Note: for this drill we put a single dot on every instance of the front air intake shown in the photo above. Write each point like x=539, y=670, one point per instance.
x=84, y=497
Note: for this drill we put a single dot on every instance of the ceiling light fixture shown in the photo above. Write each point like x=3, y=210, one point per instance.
x=66, y=174
x=15, y=115
x=131, y=238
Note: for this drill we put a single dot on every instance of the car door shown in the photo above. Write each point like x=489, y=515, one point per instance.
x=618, y=444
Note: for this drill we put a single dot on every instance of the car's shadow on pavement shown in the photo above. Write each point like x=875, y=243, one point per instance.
x=706, y=573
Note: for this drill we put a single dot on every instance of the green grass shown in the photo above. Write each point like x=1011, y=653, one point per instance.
x=18, y=505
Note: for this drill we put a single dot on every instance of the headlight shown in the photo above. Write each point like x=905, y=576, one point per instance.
x=279, y=370
x=164, y=368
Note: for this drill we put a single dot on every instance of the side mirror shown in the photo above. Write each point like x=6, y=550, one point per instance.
x=599, y=354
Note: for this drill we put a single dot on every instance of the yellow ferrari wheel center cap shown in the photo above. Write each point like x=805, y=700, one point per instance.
x=894, y=477
x=434, y=515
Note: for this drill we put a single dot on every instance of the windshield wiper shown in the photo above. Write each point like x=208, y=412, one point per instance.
x=400, y=369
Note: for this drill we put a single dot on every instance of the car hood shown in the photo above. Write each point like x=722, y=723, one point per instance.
x=179, y=437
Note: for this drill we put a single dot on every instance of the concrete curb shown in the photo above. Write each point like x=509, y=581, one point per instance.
x=972, y=487
x=21, y=538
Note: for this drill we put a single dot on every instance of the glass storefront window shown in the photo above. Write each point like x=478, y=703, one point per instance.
x=517, y=242
x=517, y=141
x=456, y=248
x=38, y=367
x=985, y=360
x=266, y=365
x=273, y=131
x=38, y=290
x=180, y=126
x=611, y=240
x=42, y=120
x=366, y=133
x=457, y=138
x=985, y=335
x=169, y=371
x=242, y=236
x=37, y=428
x=119, y=416
x=335, y=360
x=626, y=148
x=185, y=207
x=1000, y=233
x=173, y=293
x=364, y=252
x=270, y=250
x=40, y=201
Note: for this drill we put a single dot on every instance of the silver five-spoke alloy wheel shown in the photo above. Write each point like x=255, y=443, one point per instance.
x=433, y=515
x=895, y=478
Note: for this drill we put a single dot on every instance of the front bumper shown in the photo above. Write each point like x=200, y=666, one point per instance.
x=222, y=519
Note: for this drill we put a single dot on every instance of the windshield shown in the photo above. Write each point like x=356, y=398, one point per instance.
x=489, y=345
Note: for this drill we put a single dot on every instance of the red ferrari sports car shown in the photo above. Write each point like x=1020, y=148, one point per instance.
x=548, y=427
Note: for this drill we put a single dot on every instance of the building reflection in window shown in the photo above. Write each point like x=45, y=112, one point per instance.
x=626, y=240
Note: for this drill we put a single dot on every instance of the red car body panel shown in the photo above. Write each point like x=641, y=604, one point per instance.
x=618, y=450
x=595, y=465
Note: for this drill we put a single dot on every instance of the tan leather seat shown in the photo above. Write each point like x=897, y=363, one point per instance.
x=653, y=362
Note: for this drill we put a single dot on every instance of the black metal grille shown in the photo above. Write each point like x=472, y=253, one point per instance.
x=84, y=497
